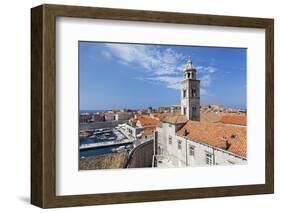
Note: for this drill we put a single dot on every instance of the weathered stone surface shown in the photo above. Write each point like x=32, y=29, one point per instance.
x=109, y=161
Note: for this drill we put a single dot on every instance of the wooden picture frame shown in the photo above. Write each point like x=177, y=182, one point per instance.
x=43, y=105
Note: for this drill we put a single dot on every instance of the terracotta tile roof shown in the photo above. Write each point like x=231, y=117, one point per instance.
x=210, y=117
x=176, y=119
x=228, y=137
x=147, y=121
x=160, y=116
x=148, y=131
x=234, y=119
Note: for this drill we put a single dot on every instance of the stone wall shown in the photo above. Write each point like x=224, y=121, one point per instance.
x=108, y=161
x=141, y=156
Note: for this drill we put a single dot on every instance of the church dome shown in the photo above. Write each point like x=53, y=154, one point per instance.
x=189, y=66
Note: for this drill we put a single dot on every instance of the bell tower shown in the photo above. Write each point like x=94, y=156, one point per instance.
x=190, y=93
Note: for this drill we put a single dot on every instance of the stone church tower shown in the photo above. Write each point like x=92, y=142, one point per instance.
x=190, y=93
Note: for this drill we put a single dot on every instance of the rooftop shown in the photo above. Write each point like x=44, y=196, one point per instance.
x=161, y=115
x=175, y=119
x=228, y=137
x=147, y=121
x=234, y=119
x=148, y=131
x=210, y=117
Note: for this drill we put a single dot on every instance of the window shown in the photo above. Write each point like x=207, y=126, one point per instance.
x=191, y=150
x=179, y=144
x=184, y=93
x=170, y=139
x=193, y=92
x=193, y=109
x=209, y=159
x=159, y=150
x=184, y=110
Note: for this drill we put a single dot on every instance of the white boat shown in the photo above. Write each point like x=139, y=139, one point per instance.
x=117, y=149
x=120, y=148
x=102, y=137
x=128, y=146
x=114, y=149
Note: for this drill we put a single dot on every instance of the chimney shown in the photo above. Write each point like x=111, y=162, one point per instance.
x=185, y=132
x=226, y=143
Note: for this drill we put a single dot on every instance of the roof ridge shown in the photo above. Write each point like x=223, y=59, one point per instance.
x=177, y=118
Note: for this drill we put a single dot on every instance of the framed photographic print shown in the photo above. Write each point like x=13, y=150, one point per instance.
x=136, y=106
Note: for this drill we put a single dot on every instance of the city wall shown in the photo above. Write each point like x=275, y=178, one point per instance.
x=141, y=156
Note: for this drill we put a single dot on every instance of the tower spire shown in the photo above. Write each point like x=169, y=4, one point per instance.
x=189, y=70
x=189, y=60
x=189, y=65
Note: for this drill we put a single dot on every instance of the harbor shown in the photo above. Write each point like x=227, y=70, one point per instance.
x=104, y=141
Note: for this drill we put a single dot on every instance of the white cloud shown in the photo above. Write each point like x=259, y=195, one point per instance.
x=164, y=66
x=106, y=54
x=151, y=58
x=206, y=80
x=123, y=62
x=172, y=82
x=208, y=69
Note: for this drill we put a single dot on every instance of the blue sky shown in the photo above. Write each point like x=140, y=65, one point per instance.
x=115, y=75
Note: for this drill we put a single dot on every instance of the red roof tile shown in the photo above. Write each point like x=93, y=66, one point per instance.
x=148, y=131
x=147, y=121
x=234, y=119
x=228, y=137
x=175, y=119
